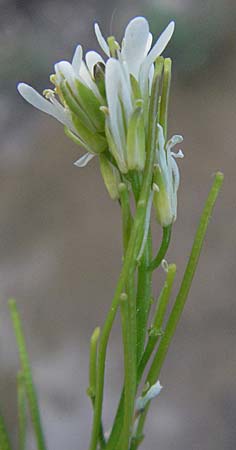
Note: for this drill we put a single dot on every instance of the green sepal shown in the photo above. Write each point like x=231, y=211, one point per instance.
x=161, y=200
x=74, y=106
x=110, y=177
x=136, y=141
x=77, y=140
x=90, y=104
x=95, y=141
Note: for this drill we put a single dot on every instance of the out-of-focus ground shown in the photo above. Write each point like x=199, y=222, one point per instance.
x=60, y=233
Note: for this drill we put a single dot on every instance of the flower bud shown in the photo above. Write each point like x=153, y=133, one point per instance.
x=161, y=200
x=136, y=141
x=110, y=176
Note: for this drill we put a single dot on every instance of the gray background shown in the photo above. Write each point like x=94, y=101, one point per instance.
x=60, y=234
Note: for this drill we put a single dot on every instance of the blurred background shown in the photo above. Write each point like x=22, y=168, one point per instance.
x=60, y=234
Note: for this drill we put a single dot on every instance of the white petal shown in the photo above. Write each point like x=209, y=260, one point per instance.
x=136, y=44
x=92, y=58
x=113, y=84
x=161, y=43
x=39, y=102
x=176, y=176
x=176, y=139
x=149, y=43
x=102, y=42
x=65, y=70
x=77, y=59
x=154, y=53
x=84, y=160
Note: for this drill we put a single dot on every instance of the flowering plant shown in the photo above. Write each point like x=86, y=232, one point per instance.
x=116, y=107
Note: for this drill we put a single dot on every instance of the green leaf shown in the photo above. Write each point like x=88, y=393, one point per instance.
x=27, y=375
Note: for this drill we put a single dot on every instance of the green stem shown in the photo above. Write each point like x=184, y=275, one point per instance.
x=143, y=296
x=21, y=403
x=28, y=380
x=92, y=378
x=126, y=214
x=128, y=320
x=129, y=368
x=4, y=438
x=183, y=291
x=159, y=315
x=166, y=236
x=130, y=257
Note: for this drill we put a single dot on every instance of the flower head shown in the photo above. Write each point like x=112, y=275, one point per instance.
x=102, y=104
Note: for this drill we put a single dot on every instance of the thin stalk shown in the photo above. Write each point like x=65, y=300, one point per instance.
x=92, y=378
x=21, y=407
x=166, y=236
x=143, y=296
x=155, y=331
x=130, y=257
x=183, y=291
x=127, y=219
x=129, y=368
x=28, y=380
x=4, y=438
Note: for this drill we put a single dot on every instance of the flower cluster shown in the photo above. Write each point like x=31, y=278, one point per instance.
x=103, y=103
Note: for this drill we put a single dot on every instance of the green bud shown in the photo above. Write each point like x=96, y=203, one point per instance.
x=110, y=176
x=161, y=200
x=136, y=141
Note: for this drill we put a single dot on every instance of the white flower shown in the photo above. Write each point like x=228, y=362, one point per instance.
x=134, y=54
x=133, y=59
x=152, y=392
x=166, y=178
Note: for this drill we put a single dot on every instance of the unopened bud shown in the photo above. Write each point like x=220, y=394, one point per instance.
x=110, y=177
x=136, y=141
